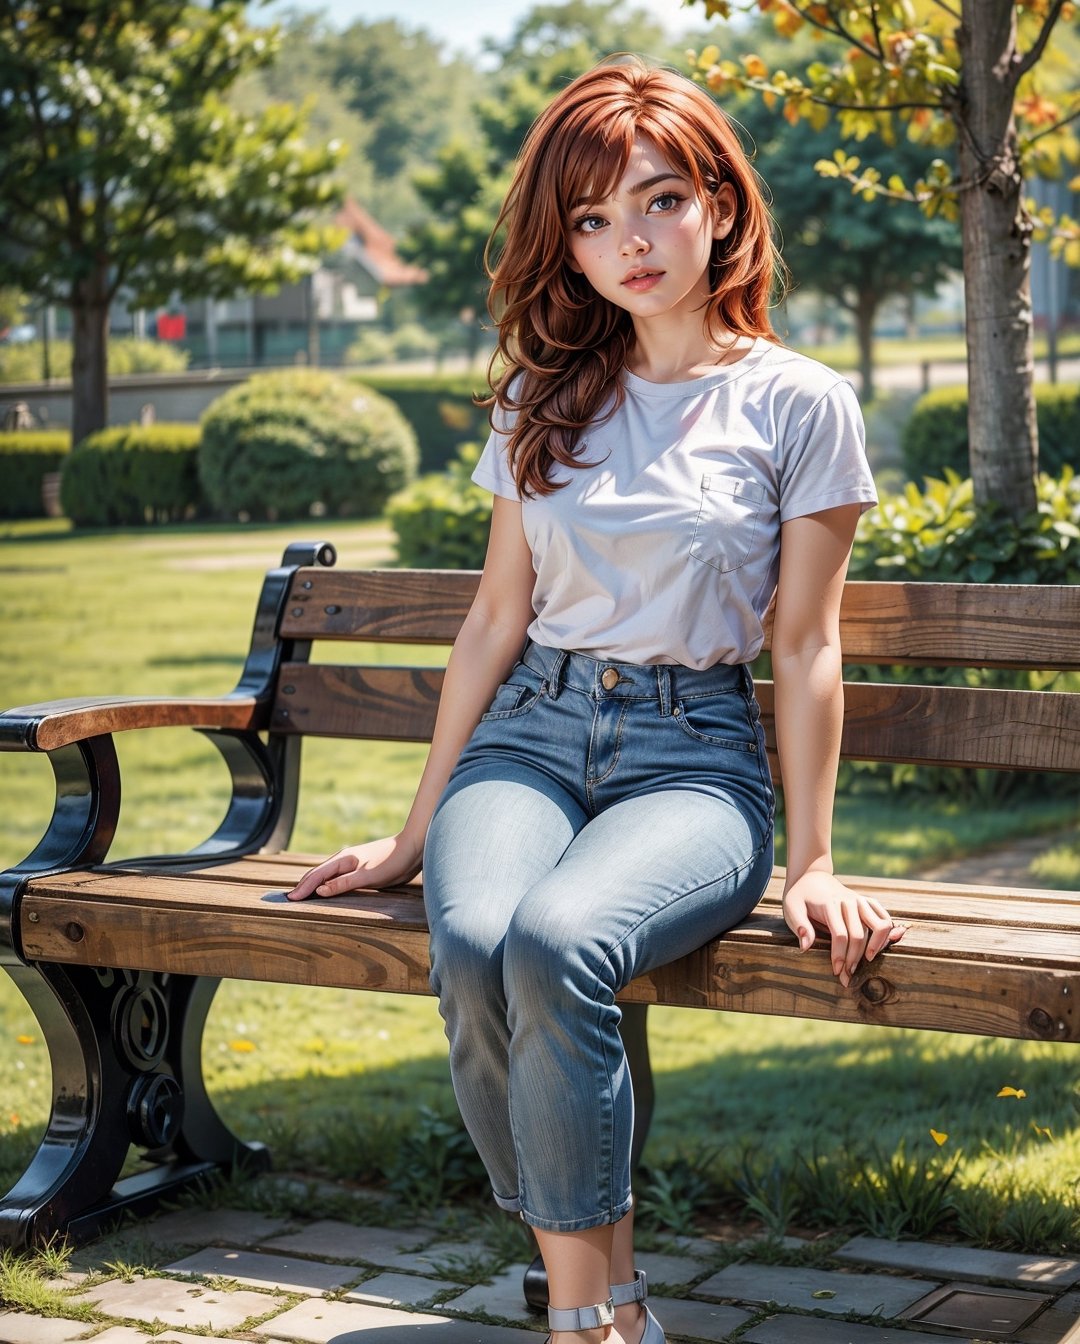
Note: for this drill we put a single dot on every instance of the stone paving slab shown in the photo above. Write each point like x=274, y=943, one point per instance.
x=444, y=1254
x=501, y=1297
x=179, y=1304
x=319, y=1322
x=962, y=1262
x=401, y=1290
x=813, y=1330
x=208, y=1227
x=22, y=1327
x=288, y=1274
x=696, y=1320
x=868, y=1294
x=1052, y=1325
x=390, y=1247
x=669, y=1270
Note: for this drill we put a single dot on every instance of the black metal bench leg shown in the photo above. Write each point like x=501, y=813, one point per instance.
x=125, y=1053
x=635, y=1039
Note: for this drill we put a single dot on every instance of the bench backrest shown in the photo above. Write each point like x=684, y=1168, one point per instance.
x=883, y=624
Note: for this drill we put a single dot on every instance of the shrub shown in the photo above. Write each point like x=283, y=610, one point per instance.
x=440, y=409
x=442, y=520
x=287, y=443
x=936, y=435
x=409, y=341
x=937, y=535
x=133, y=474
x=23, y=363
x=26, y=458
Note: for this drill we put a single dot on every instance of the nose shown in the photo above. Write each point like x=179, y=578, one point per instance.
x=633, y=244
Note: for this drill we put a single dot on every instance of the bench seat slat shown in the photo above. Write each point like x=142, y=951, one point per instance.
x=1010, y=982
x=987, y=625
x=942, y=725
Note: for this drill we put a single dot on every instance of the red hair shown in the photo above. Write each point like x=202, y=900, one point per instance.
x=563, y=347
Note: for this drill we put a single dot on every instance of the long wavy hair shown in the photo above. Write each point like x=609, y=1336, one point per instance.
x=562, y=346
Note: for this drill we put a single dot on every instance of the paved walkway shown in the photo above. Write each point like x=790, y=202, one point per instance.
x=365, y=1276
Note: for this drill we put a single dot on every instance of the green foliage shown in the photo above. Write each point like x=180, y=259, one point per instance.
x=375, y=346
x=442, y=410
x=442, y=520
x=26, y=457
x=935, y=437
x=937, y=535
x=289, y=442
x=25, y=362
x=133, y=474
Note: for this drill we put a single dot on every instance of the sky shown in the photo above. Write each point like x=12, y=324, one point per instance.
x=462, y=24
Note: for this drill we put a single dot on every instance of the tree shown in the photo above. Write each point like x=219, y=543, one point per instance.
x=862, y=257
x=953, y=71
x=121, y=166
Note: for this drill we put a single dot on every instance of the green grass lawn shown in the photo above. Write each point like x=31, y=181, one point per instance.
x=328, y=1075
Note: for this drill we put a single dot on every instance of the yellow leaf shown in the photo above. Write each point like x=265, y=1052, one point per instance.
x=1041, y=1129
x=1017, y=1092
x=755, y=67
x=710, y=55
x=242, y=1047
x=788, y=21
x=791, y=111
x=25, y=1040
x=938, y=1137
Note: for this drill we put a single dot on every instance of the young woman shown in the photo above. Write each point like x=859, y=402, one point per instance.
x=597, y=799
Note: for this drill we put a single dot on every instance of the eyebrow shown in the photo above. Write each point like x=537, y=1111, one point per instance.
x=635, y=190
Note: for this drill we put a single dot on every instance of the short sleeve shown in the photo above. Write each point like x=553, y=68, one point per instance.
x=825, y=464
x=493, y=469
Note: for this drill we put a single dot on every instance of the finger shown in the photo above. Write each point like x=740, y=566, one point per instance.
x=312, y=880
x=838, y=936
x=858, y=935
x=798, y=921
x=880, y=924
x=358, y=875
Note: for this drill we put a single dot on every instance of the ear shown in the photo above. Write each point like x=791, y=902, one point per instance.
x=723, y=208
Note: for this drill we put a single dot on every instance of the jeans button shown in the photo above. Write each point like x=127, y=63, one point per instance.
x=609, y=679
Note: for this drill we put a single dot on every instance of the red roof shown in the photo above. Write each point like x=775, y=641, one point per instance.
x=376, y=247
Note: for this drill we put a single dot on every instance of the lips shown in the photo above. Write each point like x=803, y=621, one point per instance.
x=640, y=281
x=641, y=274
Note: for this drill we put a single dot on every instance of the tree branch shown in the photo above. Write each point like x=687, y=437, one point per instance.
x=1039, y=45
x=952, y=13
x=836, y=29
x=1049, y=130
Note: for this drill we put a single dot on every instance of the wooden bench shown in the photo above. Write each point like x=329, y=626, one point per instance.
x=120, y=962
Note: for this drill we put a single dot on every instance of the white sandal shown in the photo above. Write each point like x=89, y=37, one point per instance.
x=622, y=1294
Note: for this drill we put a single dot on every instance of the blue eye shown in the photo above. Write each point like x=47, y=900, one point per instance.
x=666, y=202
x=583, y=224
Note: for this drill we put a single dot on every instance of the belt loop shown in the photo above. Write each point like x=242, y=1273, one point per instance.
x=555, y=676
x=663, y=686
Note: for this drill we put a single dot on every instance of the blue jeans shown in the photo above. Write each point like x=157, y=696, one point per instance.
x=604, y=818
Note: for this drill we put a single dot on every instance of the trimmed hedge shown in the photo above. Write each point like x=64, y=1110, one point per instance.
x=27, y=456
x=133, y=474
x=24, y=362
x=287, y=443
x=442, y=520
x=935, y=438
x=440, y=409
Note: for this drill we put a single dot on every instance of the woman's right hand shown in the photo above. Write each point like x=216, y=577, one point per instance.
x=379, y=863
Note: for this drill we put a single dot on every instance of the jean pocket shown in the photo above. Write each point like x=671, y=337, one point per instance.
x=727, y=521
x=516, y=697
x=719, y=720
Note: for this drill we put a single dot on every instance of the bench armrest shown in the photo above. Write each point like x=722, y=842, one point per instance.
x=58, y=723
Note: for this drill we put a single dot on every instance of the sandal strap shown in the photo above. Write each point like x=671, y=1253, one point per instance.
x=581, y=1318
x=624, y=1293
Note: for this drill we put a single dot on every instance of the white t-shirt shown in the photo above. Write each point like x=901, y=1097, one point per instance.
x=664, y=548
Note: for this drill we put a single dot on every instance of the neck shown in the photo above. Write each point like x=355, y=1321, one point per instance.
x=675, y=357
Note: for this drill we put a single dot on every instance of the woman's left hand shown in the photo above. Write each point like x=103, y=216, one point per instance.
x=857, y=925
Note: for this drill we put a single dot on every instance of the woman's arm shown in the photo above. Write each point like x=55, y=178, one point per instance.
x=488, y=644
x=809, y=702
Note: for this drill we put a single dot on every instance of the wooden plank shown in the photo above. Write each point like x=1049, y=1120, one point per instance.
x=756, y=968
x=962, y=624
x=388, y=703
x=936, y=725
x=411, y=606
x=57, y=723
x=953, y=725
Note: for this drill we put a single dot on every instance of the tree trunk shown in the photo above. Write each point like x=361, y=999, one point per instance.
x=997, y=259
x=865, y=310
x=90, y=336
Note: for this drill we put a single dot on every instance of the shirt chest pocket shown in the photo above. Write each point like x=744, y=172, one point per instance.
x=727, y=521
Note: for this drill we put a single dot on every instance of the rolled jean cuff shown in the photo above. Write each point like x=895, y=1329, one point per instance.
x=579, y=1224
x=508, y=1203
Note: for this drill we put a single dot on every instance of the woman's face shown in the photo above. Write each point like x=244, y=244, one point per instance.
x=646, y=247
